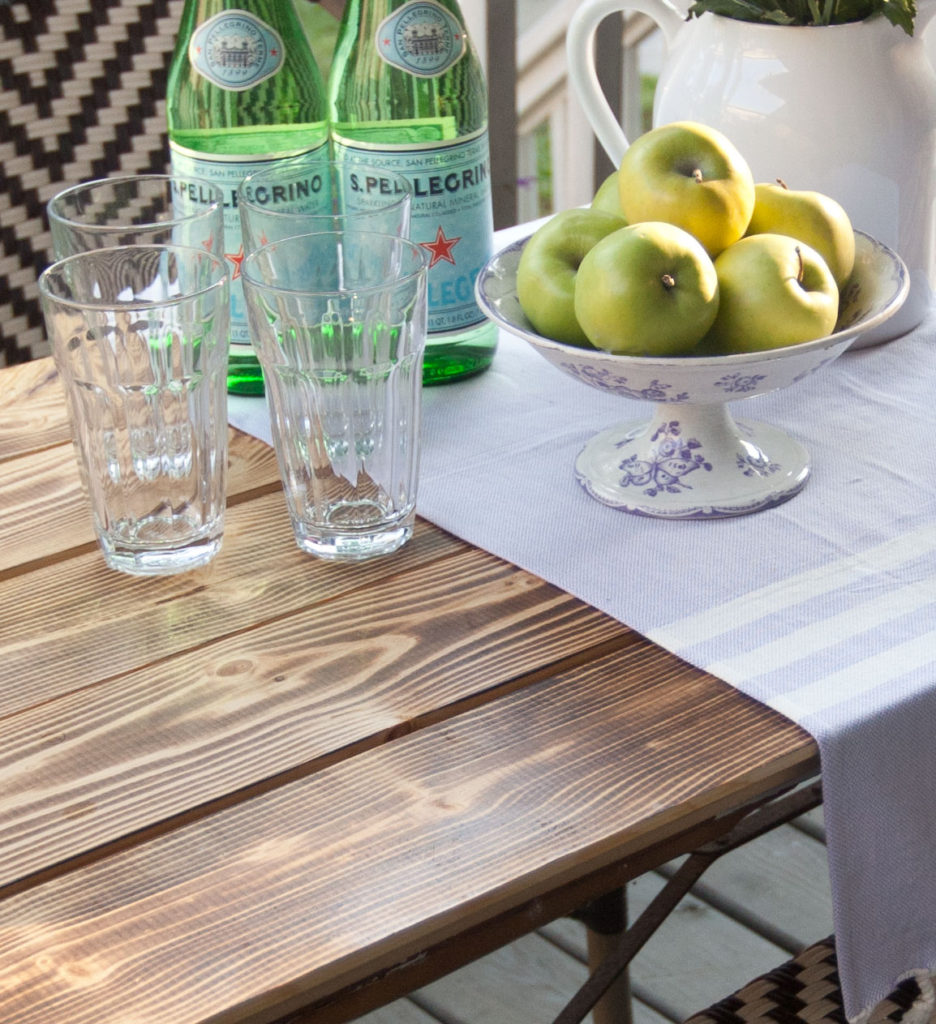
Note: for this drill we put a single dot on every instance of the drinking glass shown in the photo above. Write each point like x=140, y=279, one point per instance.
x=138, y=209
x=139, y=336
x=338, y=320
x=307, y=194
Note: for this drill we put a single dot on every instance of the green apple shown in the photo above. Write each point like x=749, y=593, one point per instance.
x=548, y=267
x=690, y=175
x=812, y=217
x=774, y=291
x=646, y=290
x=608, y=196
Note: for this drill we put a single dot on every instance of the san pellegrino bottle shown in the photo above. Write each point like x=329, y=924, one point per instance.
x=243, y=89
x=406, y=91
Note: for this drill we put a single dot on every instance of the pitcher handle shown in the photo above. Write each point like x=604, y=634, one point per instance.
x=580, y=57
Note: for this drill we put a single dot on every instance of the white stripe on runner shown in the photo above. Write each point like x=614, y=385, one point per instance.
x=824, y=633
x=794, y=590
x=854, y=680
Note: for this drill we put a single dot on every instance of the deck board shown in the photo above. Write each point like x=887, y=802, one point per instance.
x=776, y=886
x=527, y=982
x=697, y=956
x=733, y=925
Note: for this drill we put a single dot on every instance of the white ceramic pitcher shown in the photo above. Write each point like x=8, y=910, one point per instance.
x=849, y=110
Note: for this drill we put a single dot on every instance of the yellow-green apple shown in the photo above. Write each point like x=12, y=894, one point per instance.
x=812, y=217
x=646, y=290
x=690, y=175
x=608, y=196
x=773, y=291
x=549, y=265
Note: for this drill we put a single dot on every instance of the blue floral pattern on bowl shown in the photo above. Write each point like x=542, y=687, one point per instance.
x=756, y=464
x=665, y=466
x=740, y=383
x=604, y=380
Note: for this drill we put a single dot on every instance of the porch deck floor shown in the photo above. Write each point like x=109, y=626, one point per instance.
x=753, y=909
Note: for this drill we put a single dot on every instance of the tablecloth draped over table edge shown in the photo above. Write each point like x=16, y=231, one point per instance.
x=822, y=608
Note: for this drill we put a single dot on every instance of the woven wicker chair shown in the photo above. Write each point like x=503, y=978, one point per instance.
x=805, y=990
x=83, y=87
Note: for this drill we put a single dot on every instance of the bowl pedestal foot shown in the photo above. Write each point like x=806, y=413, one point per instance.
x=692, y=461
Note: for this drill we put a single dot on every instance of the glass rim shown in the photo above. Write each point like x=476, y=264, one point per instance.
x=87, y=186
x=136, y=304
x=283, y=168
x=400, y=279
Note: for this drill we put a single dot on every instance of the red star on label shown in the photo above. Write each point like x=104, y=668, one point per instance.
x=208, y=243
x=236, y=258
x=441, y=248
x=274, y=52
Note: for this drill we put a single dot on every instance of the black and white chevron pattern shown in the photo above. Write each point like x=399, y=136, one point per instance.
x=805, y=990
x=83, y=96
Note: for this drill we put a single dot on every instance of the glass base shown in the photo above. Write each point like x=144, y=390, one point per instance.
x=351, y=547
x=160, y=562
x=354, y=530
x=457, y=356
x=244, y=374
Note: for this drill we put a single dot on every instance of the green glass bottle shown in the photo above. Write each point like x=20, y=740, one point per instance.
x=406, y=91
x=243, y=89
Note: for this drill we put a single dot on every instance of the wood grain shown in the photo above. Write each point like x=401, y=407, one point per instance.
x=783, y=877
x=293, y=894
x=45, y=513
x=70, y=625
x=317, y=681
x=32, y=409
x=44, y=510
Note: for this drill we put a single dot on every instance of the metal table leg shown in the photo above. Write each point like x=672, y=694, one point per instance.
x=628, y=943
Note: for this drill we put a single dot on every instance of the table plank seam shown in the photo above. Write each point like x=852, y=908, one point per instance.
x=313, y=766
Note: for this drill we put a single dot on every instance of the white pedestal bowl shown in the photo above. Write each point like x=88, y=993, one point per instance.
x=692, y=459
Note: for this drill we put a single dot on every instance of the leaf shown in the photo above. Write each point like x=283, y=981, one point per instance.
x=900, y=13
x=780, y=18
x=740, y=10
x=851, y=10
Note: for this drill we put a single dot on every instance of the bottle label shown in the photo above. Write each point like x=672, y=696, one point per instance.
x=421, y=37
x=236, y=50
x=228, y=174
x=451, y=218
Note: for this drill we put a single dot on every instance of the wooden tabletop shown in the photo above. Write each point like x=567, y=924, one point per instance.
x=276, y=786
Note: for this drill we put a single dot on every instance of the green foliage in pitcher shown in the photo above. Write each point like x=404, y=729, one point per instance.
x=810, y=12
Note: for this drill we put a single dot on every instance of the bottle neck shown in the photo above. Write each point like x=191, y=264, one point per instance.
x=376, y=10
x=241, y=67
x=420, y=38
x=405, y=73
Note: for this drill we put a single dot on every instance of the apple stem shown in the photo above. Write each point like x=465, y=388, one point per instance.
x=697, y=175
x=783, y=184
x=668, y=281
x=799, y=256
